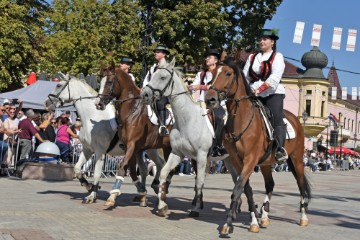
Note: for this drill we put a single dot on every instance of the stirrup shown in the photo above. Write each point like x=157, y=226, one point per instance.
x=281, y=155
x=163, y=131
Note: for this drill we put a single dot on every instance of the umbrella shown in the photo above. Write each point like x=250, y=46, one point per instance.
x=344, y=150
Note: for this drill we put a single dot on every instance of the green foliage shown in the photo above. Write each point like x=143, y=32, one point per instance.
x=78, y=36
x=20, y=39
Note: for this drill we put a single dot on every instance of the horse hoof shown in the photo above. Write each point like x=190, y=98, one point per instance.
x=109, y=203
x=88, y=201
x=194, y=214
x=254, y=228
x=143, y=203
x=265, y=222
x=304, y=222
x=162, y=212
x=226, y=230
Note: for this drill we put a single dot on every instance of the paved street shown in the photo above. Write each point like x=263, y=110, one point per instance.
x=53, y=210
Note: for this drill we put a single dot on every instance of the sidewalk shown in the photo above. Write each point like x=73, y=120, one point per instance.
x=53, y=210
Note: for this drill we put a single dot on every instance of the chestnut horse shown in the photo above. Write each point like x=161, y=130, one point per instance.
x=135, y=129
x=247, y=142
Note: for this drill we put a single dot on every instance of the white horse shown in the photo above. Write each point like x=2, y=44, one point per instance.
x=98, y=130
x=190, y=135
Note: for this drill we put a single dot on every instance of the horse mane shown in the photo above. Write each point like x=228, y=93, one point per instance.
x=87, y=86
x=232, y=64
x=180, y=74
x=122, y=73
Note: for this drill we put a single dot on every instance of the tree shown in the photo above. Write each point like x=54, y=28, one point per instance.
x=21, y=36
x=77, y=36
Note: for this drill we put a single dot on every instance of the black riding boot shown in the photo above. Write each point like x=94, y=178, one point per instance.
x=162, y=120
x=280, y=135
x=218, y=150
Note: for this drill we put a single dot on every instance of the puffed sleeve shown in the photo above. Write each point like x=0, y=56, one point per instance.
x=277, y=70
x=246, y=68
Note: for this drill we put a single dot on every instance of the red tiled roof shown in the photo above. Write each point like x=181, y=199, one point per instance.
x=335, y=82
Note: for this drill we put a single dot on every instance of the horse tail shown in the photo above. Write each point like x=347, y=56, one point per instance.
x=305, y=187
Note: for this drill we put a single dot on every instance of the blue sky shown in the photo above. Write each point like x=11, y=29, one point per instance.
x=329, y=14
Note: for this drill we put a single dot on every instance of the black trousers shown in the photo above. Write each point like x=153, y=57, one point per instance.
x=160, y=108
x=276, y=104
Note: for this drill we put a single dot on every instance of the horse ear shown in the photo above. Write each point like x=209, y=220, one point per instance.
x=172, y=63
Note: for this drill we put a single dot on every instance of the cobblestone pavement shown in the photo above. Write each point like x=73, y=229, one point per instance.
x=53, y=210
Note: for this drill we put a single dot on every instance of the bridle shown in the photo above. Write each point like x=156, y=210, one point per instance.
x=53, y=96
x=223, y=94
x=170, y=83
x=62, y=101
x=106, y=98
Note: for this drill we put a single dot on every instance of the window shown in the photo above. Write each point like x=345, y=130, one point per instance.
x=322, y=109
x=344, y=123
x=308, y=92
x=308, y=107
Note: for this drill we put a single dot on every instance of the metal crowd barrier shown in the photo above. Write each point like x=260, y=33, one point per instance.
x=110, y=166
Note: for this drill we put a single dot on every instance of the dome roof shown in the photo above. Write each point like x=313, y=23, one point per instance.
x=314, y=61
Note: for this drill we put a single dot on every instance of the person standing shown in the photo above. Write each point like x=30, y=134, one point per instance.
x=63, y=139
x=3, y=144
x=161, y=52
x=27, y=132
x=263, y=70
x=11, y=130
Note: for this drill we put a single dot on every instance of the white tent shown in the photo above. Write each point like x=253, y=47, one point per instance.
x=34, y=95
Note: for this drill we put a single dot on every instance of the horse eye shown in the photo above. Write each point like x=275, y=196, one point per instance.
x=58, y=85
x=228, y=74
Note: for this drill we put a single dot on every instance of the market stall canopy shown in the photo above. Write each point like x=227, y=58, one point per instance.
x=34, y=95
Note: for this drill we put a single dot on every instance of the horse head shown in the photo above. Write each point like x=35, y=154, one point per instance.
x=106, y=87
x=161, y=83
x=59, y=95
x=228, y=79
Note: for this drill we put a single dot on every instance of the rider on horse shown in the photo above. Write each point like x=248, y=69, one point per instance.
x=264, y=71
x=161, y=52
x=203, y=82
x=125, y=64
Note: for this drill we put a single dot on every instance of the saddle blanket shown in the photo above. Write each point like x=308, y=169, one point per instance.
x=171, y=120
x=290, y=129
x=154, y=120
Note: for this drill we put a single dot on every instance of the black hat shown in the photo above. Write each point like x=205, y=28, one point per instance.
x=126, y=60
x=162, y=48
x=213, y=52
x=270, y=33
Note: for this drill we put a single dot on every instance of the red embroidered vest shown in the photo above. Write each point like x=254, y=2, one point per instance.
x=265, y=69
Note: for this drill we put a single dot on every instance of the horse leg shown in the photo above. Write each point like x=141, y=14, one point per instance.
x=269, y=187
x=228, y=227
x=110, y=202
x=172, y=162
x=296, y=166
x=234, y=175
x=78, y=173
x=200, y=179
x=99, y=164
x=140, y=186
x=91, y=188
x=153, y=155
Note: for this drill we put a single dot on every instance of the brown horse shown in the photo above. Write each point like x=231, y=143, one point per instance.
x=248, y=143
x=135, y=129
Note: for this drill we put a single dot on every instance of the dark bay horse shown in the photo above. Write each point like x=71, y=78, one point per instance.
x=246, y=141
x=135, y=129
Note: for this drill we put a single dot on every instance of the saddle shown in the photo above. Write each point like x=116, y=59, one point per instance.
x=269, y=123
